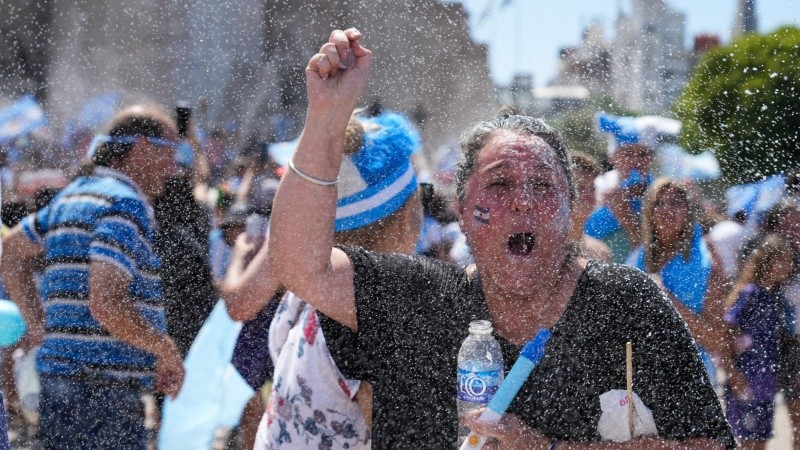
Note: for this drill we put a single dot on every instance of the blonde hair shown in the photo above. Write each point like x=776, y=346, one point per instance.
x=758, y=264
x=654, y=249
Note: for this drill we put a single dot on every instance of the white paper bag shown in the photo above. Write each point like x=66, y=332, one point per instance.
x=613, y=423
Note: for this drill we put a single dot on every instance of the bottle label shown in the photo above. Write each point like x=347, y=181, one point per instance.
x=477, y=387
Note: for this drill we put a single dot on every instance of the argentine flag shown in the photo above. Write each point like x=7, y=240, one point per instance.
x=647, y=130
x=23, y=116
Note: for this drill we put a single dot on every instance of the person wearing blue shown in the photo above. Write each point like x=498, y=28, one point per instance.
x=756, y=313
x=617, y=221
x=675, y=254
x=99, y=316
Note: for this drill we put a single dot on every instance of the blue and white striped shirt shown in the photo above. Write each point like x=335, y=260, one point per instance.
x=102, y=217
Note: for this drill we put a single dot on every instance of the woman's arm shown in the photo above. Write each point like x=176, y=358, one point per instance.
x=247, y=288
x=301, y=237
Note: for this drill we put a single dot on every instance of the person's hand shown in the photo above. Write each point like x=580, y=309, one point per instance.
x=169, y=368
x=331, y=88
x=243, y=247
x=509, y=433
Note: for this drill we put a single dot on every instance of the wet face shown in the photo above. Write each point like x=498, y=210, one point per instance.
x=156, y=164
x=516, y=210
x=632, y=157
x=670, y=214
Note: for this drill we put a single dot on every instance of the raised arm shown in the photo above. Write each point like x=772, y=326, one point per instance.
x=301, y=236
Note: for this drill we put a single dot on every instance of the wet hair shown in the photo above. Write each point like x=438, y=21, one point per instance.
x=473, y=141
x=758, y=264
x=654, y=256
x=138, y=120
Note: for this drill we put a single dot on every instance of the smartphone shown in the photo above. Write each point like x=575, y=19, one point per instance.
x=183, y=114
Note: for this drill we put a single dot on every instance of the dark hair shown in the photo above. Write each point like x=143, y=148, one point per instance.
x=139, y=120
x=475, y=139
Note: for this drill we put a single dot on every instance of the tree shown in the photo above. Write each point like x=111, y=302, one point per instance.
x=743, y=102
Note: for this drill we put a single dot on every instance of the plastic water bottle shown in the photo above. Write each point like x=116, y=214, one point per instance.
x=480, y=371
x=27, y=381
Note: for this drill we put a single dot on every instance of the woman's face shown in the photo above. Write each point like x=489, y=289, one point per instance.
x=670, y=214
x=516, y=211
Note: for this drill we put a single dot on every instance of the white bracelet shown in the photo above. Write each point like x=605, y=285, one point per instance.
x=309, y=178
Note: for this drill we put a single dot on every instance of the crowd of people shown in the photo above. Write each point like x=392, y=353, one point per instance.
x=357, y=280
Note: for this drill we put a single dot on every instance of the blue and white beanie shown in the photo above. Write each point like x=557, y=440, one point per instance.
x=376, y=180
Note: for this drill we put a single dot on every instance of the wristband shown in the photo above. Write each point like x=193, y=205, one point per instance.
x=309, y=178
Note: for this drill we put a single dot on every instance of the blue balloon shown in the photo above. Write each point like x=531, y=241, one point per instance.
x=12, y=324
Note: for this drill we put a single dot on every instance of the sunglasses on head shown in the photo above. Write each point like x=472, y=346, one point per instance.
x=102, y=139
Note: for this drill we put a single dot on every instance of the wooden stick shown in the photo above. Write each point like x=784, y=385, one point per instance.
x=629, y=373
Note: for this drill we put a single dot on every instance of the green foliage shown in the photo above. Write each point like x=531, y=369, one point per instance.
x=743, y=102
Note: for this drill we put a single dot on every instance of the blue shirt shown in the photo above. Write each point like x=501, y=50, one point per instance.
x=757, y=315
x=686, y=280
x=102, y=217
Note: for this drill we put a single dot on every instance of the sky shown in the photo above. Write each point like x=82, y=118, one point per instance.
x=527, y=35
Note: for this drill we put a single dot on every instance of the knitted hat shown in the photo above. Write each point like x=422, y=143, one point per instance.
x=377, y=179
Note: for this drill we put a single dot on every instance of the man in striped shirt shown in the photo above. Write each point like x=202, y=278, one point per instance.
x=99, y=315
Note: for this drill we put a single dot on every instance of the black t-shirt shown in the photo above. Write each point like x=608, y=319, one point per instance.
x=413, y=313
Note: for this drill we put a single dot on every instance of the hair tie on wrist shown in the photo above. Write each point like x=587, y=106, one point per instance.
x=309, y=178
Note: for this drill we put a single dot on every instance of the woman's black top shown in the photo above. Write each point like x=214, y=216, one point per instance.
x=413, y=313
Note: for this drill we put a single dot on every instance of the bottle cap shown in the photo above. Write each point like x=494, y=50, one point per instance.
x=480, y=327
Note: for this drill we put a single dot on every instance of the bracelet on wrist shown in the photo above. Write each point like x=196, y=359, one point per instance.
x=309, y=178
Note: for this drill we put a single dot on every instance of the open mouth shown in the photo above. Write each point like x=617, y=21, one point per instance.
x=521, y=244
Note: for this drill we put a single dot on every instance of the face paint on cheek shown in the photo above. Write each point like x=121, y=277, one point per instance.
x=481, y=214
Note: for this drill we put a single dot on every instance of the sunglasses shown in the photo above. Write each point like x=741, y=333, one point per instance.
x=102, y=139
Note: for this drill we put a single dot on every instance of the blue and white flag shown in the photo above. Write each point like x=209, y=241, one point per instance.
x=675, y=162
x=23, y=116
x=755, y=198
x=213, y=394
x=647, y=130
